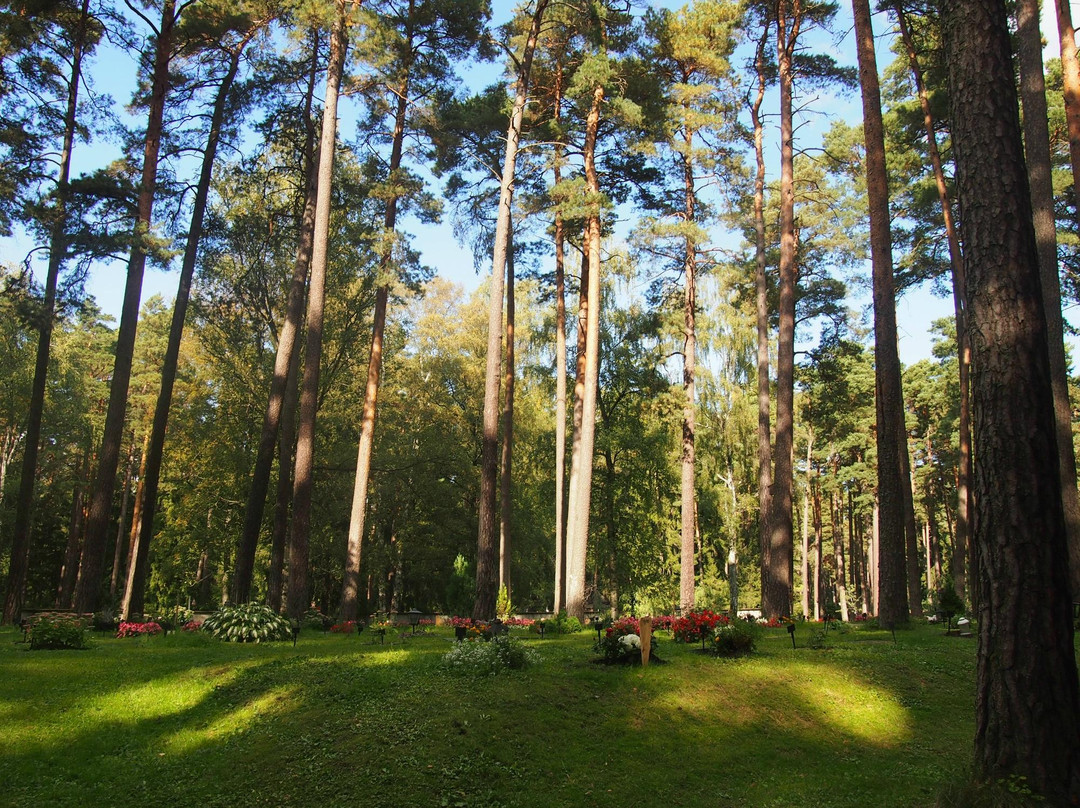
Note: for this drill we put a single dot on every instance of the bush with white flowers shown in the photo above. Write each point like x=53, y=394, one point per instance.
x=477, y=657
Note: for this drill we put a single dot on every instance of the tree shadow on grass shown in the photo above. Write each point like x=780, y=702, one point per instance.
x=340, y=722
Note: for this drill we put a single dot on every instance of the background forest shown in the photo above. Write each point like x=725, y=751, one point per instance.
x=223, y=181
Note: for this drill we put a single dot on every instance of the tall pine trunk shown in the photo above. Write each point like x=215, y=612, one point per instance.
x=91, y=565
x=889, y=397
x=506, y=478
x=1037, y=155
x=559, y=602
x=487, y=567
x=286, y=356
x=764, y=437
x=577, y=521
x=156, y=447
x=688, y=511
x=24, y=503
x=956, y=260
x=303, y=481
x=776, y=592
x=1027, y=692
x=279, y=537
x=805, y=560
x=119, y=556
x=1070, y=70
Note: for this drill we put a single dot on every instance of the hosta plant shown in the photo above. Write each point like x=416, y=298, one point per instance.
x=248, y=622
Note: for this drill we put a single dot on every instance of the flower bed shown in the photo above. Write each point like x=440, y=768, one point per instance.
x=620, y=643
x=518, y=622
x=697, y=626
x=139, y=629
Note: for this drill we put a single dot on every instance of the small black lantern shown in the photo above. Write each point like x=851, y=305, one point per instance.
x=414, y=618
x=791, y=631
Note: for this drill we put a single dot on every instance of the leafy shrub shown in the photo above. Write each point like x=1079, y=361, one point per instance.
x=248, y=622
x=172, y=617
x=475, y=657
x=314, y=620
x=734, y=638
x=139, y=629
x=57, y=633
x=503, y=606
x=948, y=602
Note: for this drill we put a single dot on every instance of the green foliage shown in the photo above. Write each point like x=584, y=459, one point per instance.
x=947, y=599
x=57, y=633
x=735, y=638
x=974, y=792
x=314, y=620
x=173, y=617
x=488, y=658
x=503, y=607
x=249, y=622
x=565, y=624
x=459, y=587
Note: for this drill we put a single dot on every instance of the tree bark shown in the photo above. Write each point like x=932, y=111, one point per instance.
x=24, y=504
x=287, y=354
x=88, y=590
x=776, y=593
x=506, y=504
x=1070, y=70
x=817, y=547
x=283, y=499
x=70, y=569
x=805, y=560
x=119, y=544
x=156, y=446
x=1037, y=154
x=559, y=603
x=560, y=376
x=486, y=545
x=889, y=399
x=309, y=396
x=577, y=522
x=764, y=446
x=956, y=259
x=838, y=559
x=687, y=507
x=1027, y=691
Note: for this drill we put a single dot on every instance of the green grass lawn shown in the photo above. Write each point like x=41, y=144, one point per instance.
x=185, y=720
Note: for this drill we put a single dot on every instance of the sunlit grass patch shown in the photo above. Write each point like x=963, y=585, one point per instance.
x=340, y=719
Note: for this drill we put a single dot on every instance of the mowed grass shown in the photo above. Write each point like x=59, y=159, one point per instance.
x=185, y=720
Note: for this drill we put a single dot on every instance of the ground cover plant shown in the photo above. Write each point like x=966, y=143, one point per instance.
x=340, y=719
